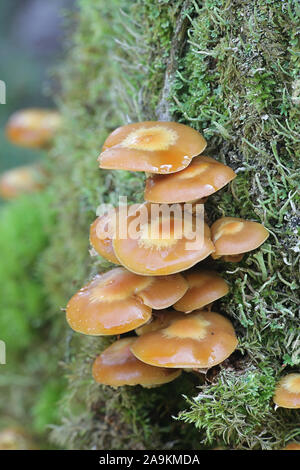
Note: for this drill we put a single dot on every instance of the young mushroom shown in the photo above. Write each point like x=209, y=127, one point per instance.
x=119, y=301
x=33, y=128
x=204, y=288
x=117, y=366
x=287, y=392
x=153, y=147
x=203, y=177
x=162, y=244
x=101, y=238
x=292, y=446
x=21, y=180
x=233, y=236
x=199, y=340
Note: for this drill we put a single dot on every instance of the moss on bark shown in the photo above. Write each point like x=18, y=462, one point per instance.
x=229, y=69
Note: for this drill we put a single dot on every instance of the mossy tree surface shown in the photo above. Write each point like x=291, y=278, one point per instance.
x=228, y=69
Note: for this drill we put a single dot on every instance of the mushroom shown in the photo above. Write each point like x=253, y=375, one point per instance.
x=101, y=239
x=204, y=288
x=33, y=128
x=199, y=340
x=117, y=366
x=158, y=321
x=203, y=177
x=164, y=243
x=119, y=301
x=287, y=392
x=153, y=147
x=292, y=446
x=21, y=180
x=233, y=236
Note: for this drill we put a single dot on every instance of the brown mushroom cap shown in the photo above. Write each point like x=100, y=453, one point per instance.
x=204, y=288
x=153, y=147
x=204, y=176
x=119, y=301
x=21, y=180
x=292, y=446
x=158, y=321
x=100, y=240
x=199, y=340
x=287, y=392
x=33, y=128
x=232, y=236
x=155, y=253
x=117, y=366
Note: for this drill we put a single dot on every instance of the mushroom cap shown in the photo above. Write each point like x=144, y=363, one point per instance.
x=119, y=301
x=287, y=392
x=232, y=236
x=21, y=180
x=154, y=251
x=292, y=446
x=199, y=340
x=117, y=366
x=100, y=240
x=153, y=147
x=204, y=288
x=32, y=128
x=158, y=321
x=204, y=176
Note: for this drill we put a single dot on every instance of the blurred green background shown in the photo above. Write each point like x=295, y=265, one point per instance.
x=31, y=37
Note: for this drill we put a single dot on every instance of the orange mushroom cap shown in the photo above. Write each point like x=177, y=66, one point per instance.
x=33, y=128
x=153, y=147
x=117, y=366
x=199, y=340
x=21, y=180
x=232, y=236
x=158, y=321
x=292, y=446
x=119, y=301
x=100, y=240
x=152, y=250
x=204, y=288
x=204, y=176
x=287, y=392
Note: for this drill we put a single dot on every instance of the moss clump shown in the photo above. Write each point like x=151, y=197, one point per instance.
x=229, y=70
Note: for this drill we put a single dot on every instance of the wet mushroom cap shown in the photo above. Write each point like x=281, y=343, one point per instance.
x=21, y=180
x=101, y=239
x=33, y=128
x=161, y=245
x=204, y=288
x=154, y=147
x=159, y=320
x=232, y=236
x=199, y=340
x=287, y=392
x=119, y=301
x=292, y=446
x=203, y=177
x=117, y=366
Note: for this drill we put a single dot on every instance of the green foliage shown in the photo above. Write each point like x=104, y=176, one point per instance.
x=24, y=225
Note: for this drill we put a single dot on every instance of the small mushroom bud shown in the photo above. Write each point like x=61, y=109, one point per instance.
x=117, y=366
x=287, y=392
x=21, y=180
x=33, y=128
x=203, y=177
x=153, y=147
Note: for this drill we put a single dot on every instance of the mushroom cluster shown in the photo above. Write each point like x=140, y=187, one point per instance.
x=158, y=292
